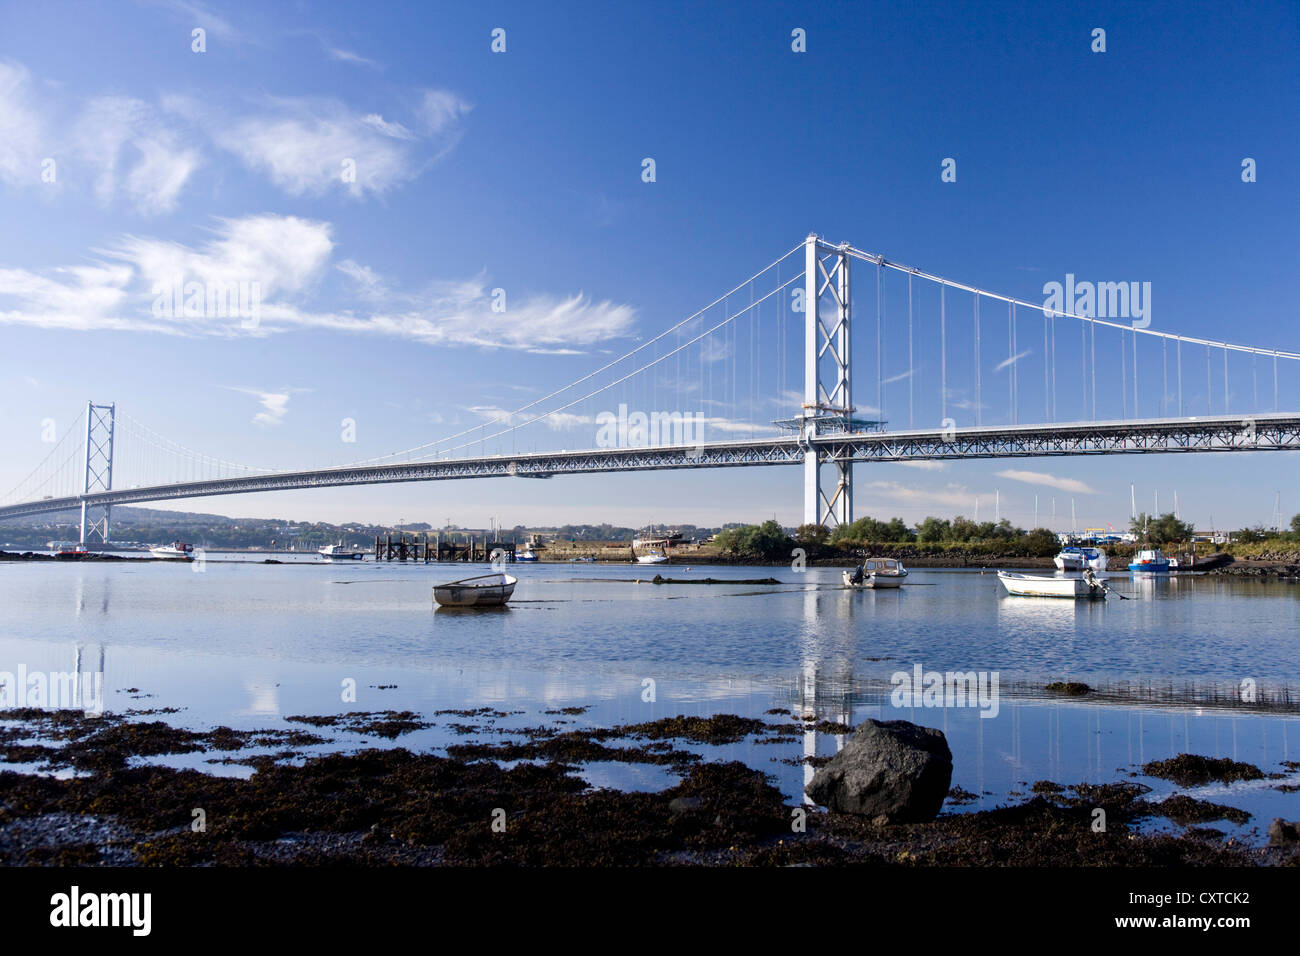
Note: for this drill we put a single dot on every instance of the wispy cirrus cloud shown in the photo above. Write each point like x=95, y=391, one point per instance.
x=118, y=144
x=1048, y=480
x=440, y=110
x=309, y=146
x=460, y=312
x=556, y=421
x=734, y=426
x=22, y=128
x=1012, y=360
x=124, y=147
x=347, y=56
x=952, y=496
x=787, y=398
x=564, y=420
x=368, y=283
x=274, y=404
x=289, y=260
x=133, y=151
x=194, y=14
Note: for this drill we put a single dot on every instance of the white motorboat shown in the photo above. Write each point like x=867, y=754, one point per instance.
x=487, y=590
x=654, y=547
x=1037, y=585
x=876, y=573
x=176, y=551
x=527, y=555
x=336, y=552
x=1079, y=559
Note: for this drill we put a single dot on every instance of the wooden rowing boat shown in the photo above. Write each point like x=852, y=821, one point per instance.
x=487, y=590
x=1035, y=585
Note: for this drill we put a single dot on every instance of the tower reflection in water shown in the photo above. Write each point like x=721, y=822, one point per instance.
x=823, y=689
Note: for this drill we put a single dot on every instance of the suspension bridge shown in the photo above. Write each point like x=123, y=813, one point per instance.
x=769, y=367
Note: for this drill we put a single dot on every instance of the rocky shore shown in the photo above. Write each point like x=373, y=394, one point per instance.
x=46, y=556
x=1280, y=564
x=383, y=806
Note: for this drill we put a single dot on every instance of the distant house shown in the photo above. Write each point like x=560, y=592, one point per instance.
x=1213, y=537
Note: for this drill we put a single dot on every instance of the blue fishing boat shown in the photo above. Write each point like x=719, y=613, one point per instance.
x=1150, y=562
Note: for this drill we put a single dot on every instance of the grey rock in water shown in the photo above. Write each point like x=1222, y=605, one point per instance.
x=1283, y=833
x=891, y=770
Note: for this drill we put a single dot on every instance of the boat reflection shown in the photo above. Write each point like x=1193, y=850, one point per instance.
x=1148, y=583
x=1046, y=611
x=486, y=611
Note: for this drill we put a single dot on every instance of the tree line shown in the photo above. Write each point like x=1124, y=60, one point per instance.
x=770, y=541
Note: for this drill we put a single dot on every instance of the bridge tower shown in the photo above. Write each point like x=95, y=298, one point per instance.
x=99, y=468
x=828, y=398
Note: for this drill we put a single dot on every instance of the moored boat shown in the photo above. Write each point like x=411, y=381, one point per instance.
x=876, y=573
x=336, y=552
x=652, y=557
x=526, y=555
x=1078, y=559
x=1152, y=562
x=1037, y=585
x=176, y=551
x=487, y=590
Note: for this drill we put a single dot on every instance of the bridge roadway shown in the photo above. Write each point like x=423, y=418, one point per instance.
x=1265, y=432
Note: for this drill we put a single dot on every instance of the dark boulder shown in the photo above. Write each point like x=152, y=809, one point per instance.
x=893, y=770
x=684, y=804
x=1283, y=833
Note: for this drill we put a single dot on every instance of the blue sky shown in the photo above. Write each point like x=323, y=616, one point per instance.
x=522, y=171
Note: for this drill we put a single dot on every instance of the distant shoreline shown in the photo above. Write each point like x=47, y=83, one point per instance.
x=1224, y=564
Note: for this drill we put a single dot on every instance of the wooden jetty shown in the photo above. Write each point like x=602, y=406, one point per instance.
x=431, y=549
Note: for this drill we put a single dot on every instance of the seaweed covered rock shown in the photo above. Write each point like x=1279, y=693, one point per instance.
x=890, y=769
x=1283, y=833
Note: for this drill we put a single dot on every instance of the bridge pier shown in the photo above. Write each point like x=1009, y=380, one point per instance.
x=98, y=474
x=827, y=343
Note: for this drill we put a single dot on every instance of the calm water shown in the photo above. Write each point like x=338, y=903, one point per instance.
x=246, y=644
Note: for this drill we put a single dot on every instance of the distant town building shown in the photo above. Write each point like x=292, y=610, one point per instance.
x=1094, y=537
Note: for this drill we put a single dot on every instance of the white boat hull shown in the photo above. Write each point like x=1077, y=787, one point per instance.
x=171, y=554
x=1077, y=561
x=651, y=559
x=489, y=590
x=1034, y=585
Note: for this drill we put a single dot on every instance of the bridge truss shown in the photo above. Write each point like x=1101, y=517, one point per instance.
x=1156, y=436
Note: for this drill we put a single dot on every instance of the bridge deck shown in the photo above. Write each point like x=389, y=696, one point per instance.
x=1270, y=432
